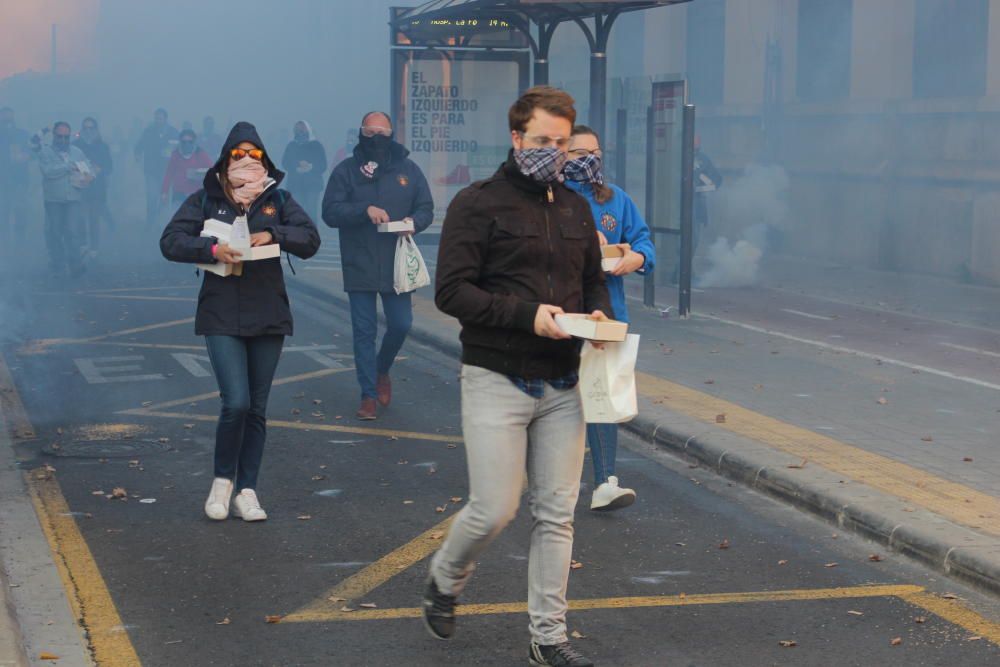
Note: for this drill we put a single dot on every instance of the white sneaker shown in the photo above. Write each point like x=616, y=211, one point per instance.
x=246, y=506
x=217, y=505
x=609, y=496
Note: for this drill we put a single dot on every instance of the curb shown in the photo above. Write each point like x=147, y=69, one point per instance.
x=921, y=535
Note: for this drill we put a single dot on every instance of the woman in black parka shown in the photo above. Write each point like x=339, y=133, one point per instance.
x=244, y=318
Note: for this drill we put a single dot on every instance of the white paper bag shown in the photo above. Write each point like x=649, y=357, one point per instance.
x=410, y=272
x=607, y=381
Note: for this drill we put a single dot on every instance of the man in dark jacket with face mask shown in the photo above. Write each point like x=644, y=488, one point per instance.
x=378, y=184
x=304, y=161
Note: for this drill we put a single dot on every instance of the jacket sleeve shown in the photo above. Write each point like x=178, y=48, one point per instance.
x=296, y=232
x=181, y=240
x=423, y=201
x=635, y=232
x=595, y=290
x=461, y=253
x=338, y=209
x=168, y=175
x=52, y=165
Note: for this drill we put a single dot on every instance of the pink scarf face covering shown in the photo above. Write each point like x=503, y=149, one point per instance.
x=248, y=178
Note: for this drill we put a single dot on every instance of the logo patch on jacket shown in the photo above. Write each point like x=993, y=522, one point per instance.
x=403, y=180
x=368, y=169
x=609, y=222
x=269, y=210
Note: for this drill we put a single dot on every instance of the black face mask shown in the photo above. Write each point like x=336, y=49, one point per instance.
x=375, y=148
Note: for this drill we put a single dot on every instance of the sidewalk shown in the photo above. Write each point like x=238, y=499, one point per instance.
x=805, y=426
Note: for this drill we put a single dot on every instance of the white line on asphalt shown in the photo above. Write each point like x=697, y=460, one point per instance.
x=974, y=350
x=858, y=353
x=809, y=315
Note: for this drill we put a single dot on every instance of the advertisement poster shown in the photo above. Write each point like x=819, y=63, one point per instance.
x=451, y=113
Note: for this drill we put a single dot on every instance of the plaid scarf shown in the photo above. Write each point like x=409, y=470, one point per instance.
x=587, y=169
x=542, y=165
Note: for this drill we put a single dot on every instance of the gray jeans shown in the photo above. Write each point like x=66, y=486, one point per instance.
x=506, y=431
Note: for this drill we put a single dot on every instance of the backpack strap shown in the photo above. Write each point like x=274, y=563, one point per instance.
x=282, y=198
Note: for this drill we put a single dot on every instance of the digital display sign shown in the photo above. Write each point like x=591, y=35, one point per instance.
x=471, y=31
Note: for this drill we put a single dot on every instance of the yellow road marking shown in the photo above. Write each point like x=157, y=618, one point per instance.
x=799, y=595
x=42, y=346
x=11, y=406
x=88, y=594
x=312, y=375
x=955, y=613
x=365, y=581
x=949, y=499
x=303, y=426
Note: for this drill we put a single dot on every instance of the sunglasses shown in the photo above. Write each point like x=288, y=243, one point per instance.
x=240, y=153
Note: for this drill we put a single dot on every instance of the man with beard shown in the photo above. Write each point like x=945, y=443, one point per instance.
x=15, y=152
x=376, y=185
x=305, y=163
x=154, y=148
x=95, y=197
x=65, y=174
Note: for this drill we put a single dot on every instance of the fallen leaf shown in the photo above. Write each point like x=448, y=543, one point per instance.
x=787, y=643
x=146, y=404
x=393, y=437
x=452, y=446
x=318, y=415
x=333, y=599
x=431, y=470
x=347, y=609
x=927, y=438
x=974, y=638
x=440, y=509
x=967, y=459
x=949, y=596
x=782, y=562
x=831, y=565
x=724, y=544
x=799, y=466
x=402, y=462
x=720, y=419
x=456, y=499
x=680, y=544
x=273, y=619
x=317, y=401
x=224, y=621
x=188, y=426
x=920, y=619
x=368, y=605
x=709, y=381
x=576, y=635
x=882, y=400
x=164, y=441
x=296, y=411
x=575, y=565
x=856, y=613
x=304, y=517
x=407, y=502
x=317, y=478
x=876, y=558
x=896, y=641
x=45, y=655
x=119, y=492
x=437, y=535
x=97, y=493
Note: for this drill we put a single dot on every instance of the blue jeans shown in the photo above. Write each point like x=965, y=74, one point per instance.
x=63, y=224
x=603, y=442
x=364, y=324
x=244, y=368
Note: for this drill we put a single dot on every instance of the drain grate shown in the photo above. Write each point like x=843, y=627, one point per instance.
x=108, y=449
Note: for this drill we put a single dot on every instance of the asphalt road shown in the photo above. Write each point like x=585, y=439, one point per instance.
x=698, y=572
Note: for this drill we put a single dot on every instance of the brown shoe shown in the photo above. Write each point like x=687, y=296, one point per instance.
x=384, y=390
x=367, y=410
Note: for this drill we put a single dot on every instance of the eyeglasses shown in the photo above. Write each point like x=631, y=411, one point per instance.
x=544, y=142
x=372, y=130
x=240, y=153
x=583, y=152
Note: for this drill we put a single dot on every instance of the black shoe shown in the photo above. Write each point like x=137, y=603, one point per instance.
x=556, y=655
x=439, y=611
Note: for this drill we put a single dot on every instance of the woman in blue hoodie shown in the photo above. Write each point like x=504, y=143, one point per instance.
x=618, y=222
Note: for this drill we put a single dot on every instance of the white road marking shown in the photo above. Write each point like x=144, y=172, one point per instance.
x=197, y=365
x=857, y=353
x=809, y=315
x=95, y=374
x=974, y=350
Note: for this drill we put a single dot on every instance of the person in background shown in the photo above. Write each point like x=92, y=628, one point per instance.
x=154, y=149
x=517, y=250
x=15, y=151
x=706, y=179
x=65, y=174
x=186, y=169
x=618, y=221
x=95, y=197
x=378, y=184
x=304, y=161
x=209, y=141
x=347, y=149
x=244, y=318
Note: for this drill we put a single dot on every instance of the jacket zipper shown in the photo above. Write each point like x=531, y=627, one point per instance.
x=548, y=239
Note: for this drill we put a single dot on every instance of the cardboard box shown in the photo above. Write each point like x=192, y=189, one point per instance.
x=220, y=230
x=612, y=255
x=397, y=226
x=583, y=326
